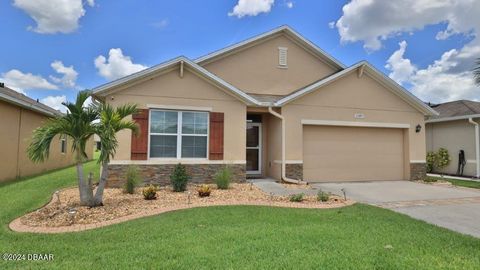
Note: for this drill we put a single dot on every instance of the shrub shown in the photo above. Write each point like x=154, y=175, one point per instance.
x=431, y=157
x=442, y=158
x=150, y=192
x=223, y=177
x=296, y=197
x=204, y=191
x=133, y=178
x=179, y=178
x=430, y=180
x=322, y=196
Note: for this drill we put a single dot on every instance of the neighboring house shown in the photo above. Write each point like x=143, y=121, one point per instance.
x=98, y=143
x=20, y=116
x=455, y=129
x=272, y=106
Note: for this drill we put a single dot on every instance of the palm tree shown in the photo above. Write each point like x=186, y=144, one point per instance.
x=476, y=72
x=111, y=121
x=78, y=125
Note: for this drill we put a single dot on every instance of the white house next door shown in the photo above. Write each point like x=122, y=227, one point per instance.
x=254, y=148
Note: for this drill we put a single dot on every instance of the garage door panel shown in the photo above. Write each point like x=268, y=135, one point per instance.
x=352, y=154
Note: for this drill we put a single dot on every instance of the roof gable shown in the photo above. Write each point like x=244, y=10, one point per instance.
x=13, y=97
x=286, y=30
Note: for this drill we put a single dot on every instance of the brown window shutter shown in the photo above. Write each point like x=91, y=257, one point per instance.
x=216, y=136
x=139, y=148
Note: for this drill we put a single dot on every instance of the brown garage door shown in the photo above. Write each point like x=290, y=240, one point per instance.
x=332, y=153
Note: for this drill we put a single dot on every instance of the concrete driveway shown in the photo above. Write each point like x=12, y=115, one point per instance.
x=453, y=208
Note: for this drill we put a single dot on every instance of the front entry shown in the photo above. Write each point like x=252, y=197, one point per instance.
x=254, y=148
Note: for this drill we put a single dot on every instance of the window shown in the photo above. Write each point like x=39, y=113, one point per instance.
x=63, y=145
x=178, y=134
x=282, y=56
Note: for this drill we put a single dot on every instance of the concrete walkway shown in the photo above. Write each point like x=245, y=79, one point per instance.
x=457, y=209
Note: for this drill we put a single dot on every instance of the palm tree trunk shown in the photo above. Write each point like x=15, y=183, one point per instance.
x=86, y=193
x=98, y=199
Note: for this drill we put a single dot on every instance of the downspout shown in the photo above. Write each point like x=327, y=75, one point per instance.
x=477, y=146
x=284, y=176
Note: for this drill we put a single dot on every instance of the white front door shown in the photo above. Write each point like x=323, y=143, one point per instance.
x=254, y=148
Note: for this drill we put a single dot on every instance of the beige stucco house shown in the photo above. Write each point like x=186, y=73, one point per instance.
x=455, y=129
x=274, y=106
x=20, y=116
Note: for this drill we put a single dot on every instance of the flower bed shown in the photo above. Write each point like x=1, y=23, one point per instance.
x=64, y=209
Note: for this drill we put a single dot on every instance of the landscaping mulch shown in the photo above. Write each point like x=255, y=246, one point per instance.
x=64, y=209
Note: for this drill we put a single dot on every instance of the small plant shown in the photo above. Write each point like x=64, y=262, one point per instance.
x=322, y=196
x=430, y=180
x=150, y=192
x=431, y=157
x=179, y=178
x=204, y=191
x=133, y=178
x=443, y=159
x=297, y=197
x=223, y=177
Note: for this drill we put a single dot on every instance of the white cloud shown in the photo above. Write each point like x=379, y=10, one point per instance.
x=117, y=65
x=251, y=8
x=54, y=16
x=69, y=77
x=371, y=21
x=289, y=4
x=440, y=81
x=161, y=24
x=331, y=25
x=55, y=102
x=20, y=81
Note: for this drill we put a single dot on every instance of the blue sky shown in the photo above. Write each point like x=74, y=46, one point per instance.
x=36, y=35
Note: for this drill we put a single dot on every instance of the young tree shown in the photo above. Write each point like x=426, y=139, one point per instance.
x=111, y=121
x=78, y=125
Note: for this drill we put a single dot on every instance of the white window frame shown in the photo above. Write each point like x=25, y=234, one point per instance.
x=179, y=134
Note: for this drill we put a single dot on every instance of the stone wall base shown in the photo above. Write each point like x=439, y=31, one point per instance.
x=294, y=171
x=418, y=171
x=159, y=174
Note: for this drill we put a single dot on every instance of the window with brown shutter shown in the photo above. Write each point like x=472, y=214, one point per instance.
x=216, y=136
x=139, y=148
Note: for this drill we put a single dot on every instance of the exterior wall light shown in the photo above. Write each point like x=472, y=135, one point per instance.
x=418, y=128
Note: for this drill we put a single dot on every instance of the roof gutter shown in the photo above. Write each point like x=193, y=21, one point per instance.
x=453, y=118
x=284, y=176
x=477, y=146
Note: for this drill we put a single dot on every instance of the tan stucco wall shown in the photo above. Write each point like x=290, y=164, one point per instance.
x=453, y=136
x=341, y=100
x=191, y=90
x=255, y=69
x=18, y=125
x=274, y=147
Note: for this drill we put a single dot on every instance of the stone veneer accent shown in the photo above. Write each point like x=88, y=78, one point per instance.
x=294, y=171
x=159, y=174
x=418, y=171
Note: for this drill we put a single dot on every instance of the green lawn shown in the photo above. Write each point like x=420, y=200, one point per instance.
x=235, y=237
x=460, y=183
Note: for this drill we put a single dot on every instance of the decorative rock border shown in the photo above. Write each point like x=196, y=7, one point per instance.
x=17, y=226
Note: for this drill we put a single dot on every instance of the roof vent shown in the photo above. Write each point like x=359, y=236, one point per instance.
x=282, y=56
x=2, y=85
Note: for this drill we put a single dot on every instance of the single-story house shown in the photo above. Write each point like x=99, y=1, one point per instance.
x=275, y=105
x=20, y=116
x=455, y=129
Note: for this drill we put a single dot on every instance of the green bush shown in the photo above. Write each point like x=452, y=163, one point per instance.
x=223, y=177
x=322, y=196
x=297, y=197
x=133, y=178
x=150, y=192
x=179, y=178
x=431, y=157
x=430, y=180
x=442, y=159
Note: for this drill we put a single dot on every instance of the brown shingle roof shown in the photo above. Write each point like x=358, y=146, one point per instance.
x=456, y=108
x=13, y=97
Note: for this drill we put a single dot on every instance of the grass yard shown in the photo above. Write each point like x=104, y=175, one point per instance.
x=235, y=237
x=457, y=182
